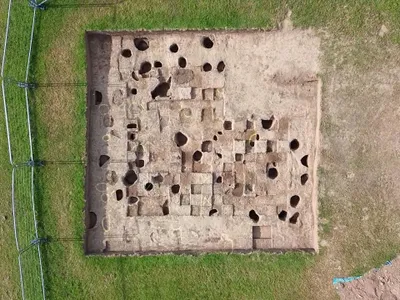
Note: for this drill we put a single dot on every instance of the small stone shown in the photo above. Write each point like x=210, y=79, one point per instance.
x=365, y=218
x=287, y=23
x=383, y=31
x=324, y=221
x=323, y=243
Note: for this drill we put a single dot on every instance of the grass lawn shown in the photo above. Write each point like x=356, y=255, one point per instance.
x=350, y=47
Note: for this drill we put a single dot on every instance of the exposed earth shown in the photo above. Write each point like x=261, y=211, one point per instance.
x=202, y=141
x=382, y=284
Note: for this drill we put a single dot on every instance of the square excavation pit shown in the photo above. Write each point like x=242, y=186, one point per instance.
x=202, y=141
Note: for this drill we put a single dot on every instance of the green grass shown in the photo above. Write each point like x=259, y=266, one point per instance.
x=176, y=277
x=15, y=71
x=376, y=259
x=59, y=131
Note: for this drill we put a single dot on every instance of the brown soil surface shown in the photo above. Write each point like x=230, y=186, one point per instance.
x=214, y=147
x=382, y=284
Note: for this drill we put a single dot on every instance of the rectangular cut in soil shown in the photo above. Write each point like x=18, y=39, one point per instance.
x=201, y=141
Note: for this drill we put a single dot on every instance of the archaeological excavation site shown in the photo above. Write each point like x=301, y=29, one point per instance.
x=202, y=141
